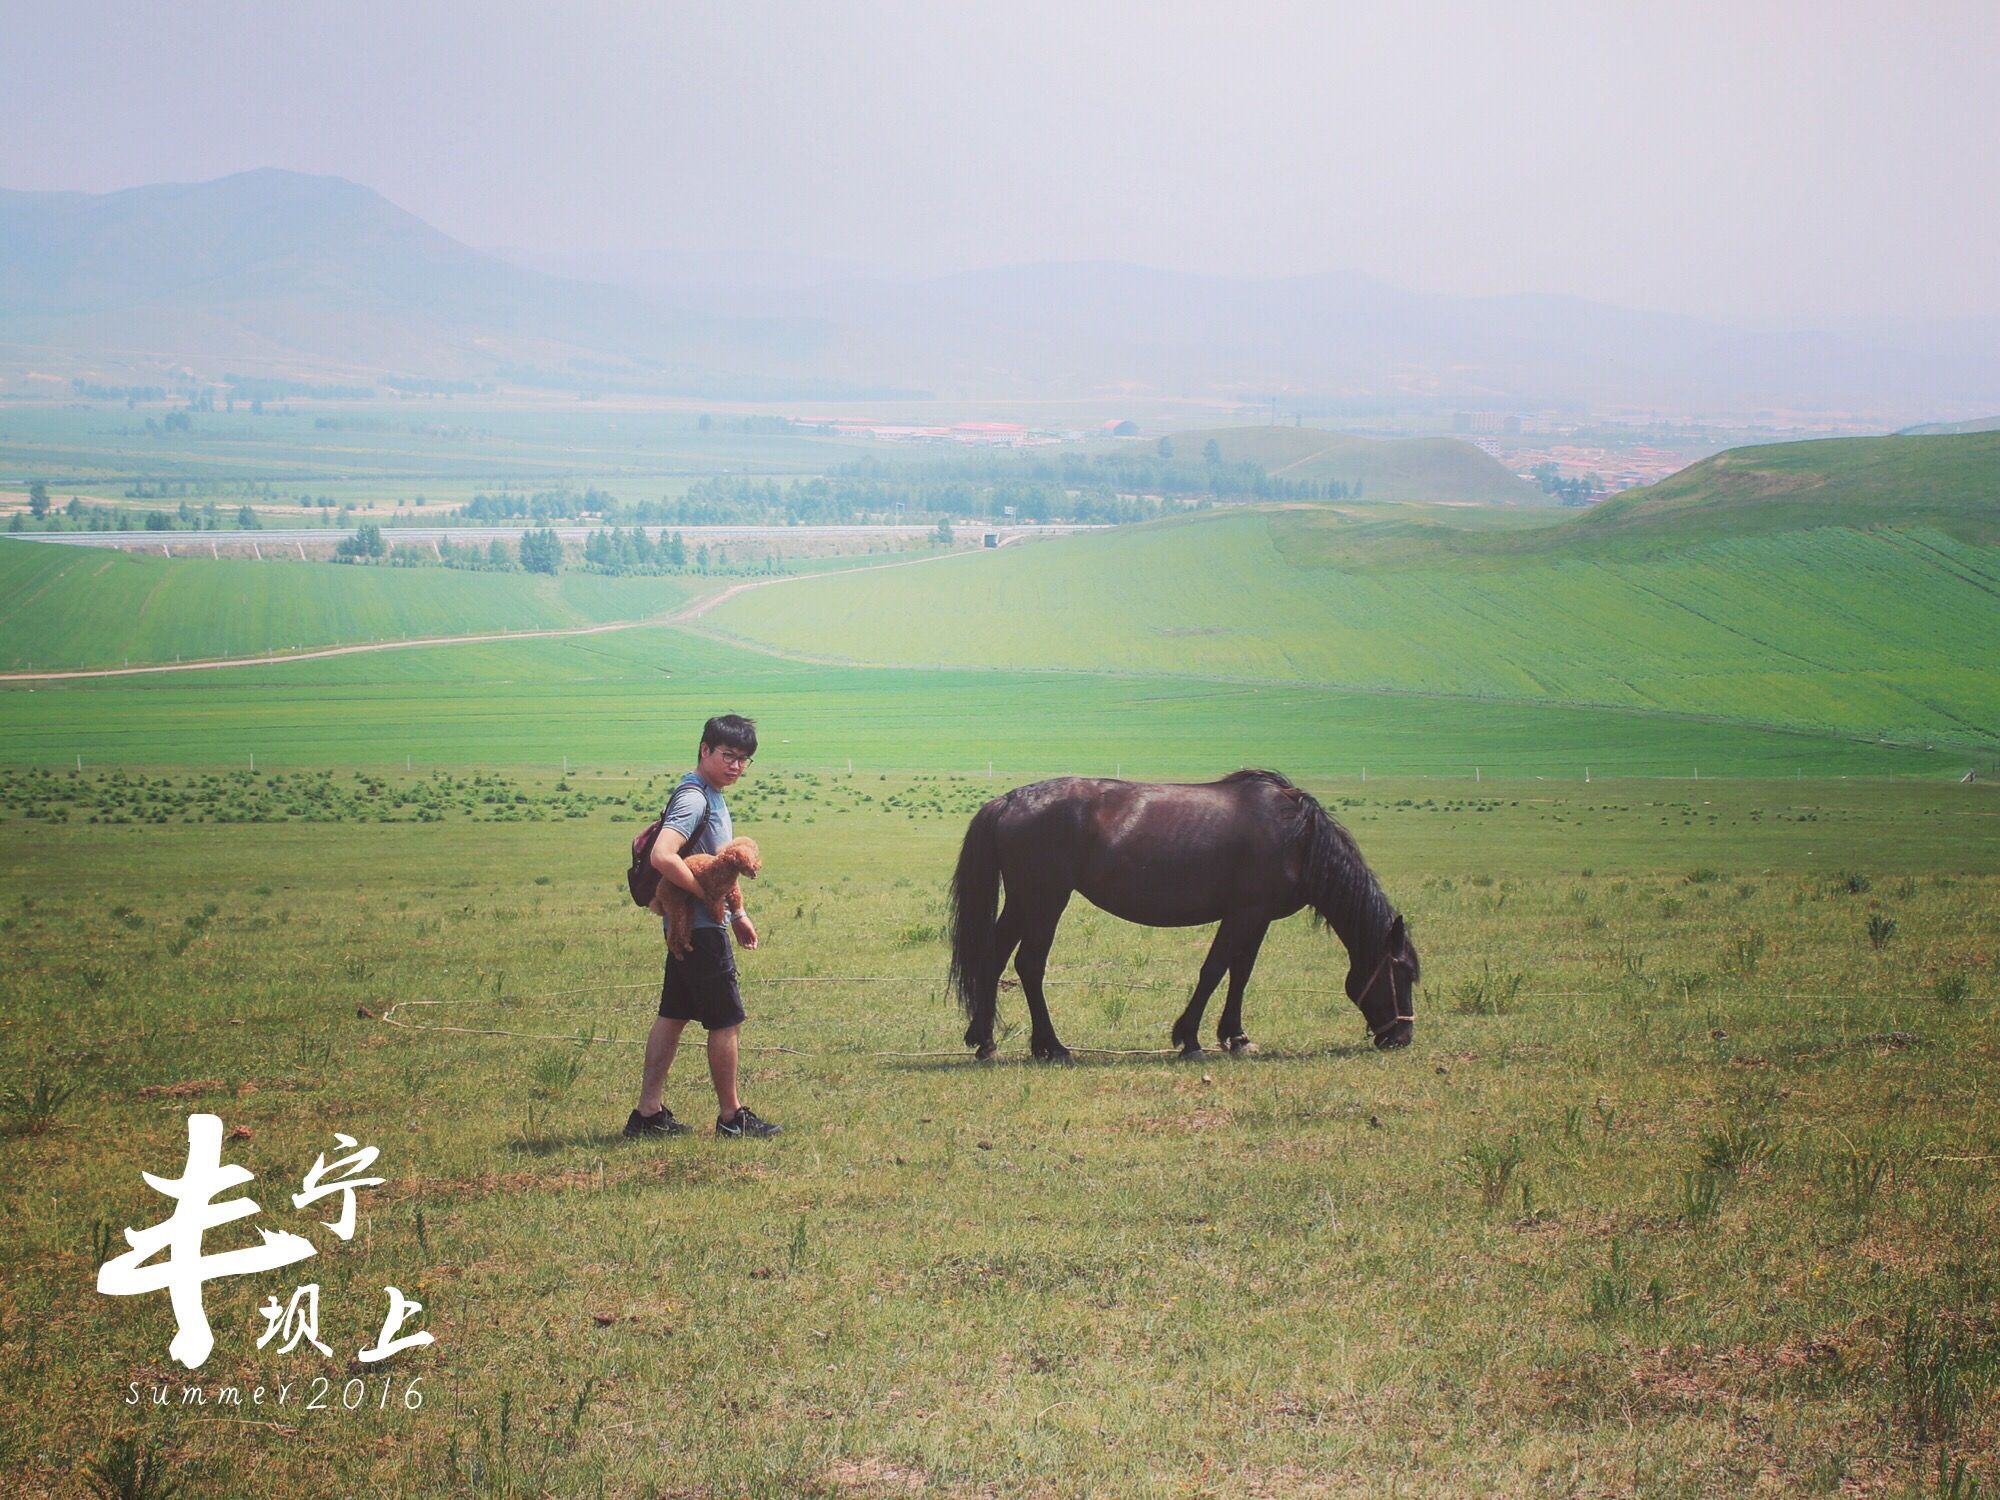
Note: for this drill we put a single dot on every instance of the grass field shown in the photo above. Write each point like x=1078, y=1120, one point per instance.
x=1686, y=1189
x=1951, y=483
x=85, y=607
x=628, y=699
x=1878, y=633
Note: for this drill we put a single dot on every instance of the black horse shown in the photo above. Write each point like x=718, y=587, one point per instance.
x=1244, y=851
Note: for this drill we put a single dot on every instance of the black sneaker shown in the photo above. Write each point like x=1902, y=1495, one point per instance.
x=663, y=1123
x=745, y=1123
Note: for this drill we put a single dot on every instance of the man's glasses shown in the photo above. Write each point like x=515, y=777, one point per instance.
x=733, y=758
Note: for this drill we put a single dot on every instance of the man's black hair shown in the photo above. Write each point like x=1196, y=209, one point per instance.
x=730, y=732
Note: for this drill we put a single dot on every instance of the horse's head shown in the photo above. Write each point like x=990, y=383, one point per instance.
x=1385, y=992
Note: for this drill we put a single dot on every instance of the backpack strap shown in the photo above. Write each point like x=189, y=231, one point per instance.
x=699, y=823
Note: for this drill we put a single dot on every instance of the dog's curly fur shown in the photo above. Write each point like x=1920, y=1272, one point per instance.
x=717, y=875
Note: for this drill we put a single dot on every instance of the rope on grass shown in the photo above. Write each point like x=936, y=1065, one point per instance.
x=389, y=1015
x=390, y=1018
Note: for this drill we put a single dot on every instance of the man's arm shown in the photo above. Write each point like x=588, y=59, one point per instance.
x=666, y=858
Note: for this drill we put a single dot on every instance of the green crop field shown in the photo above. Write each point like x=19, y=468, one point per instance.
x=1686, y=1189
x=89, y=607
x=628, y=699
x=1879, y=632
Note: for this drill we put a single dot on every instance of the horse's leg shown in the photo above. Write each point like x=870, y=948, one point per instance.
x=1229, y=1029
x=979, y=1032
x=1037, y=934
x=1187, y=1030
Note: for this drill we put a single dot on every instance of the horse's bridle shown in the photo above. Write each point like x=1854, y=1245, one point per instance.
x=1387, y=958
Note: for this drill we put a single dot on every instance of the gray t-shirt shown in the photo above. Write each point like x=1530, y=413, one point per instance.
x=696, y=804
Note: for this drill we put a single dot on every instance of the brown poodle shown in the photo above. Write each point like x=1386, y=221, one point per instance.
x=716, y=874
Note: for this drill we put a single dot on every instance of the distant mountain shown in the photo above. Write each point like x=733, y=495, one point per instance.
x=280, y=274
x=275, y=272
x=1072, y=328
x=1375, y=468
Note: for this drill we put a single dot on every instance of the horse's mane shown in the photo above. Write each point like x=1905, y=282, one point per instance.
x=1340, y=888
x=1273, y=778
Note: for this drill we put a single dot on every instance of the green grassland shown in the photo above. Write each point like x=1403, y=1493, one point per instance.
x=85, y=606
x=1382, y=468
x=1686, y=1189
x=1883, y=631
x=630, y=698
x=1949, y=483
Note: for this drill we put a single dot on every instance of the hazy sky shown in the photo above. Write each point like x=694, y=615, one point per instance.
x=1782, y=159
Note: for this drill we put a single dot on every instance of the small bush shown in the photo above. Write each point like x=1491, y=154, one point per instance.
x=132, y=1470
x=1955, y=1481
x=1489, y=994
x=1856, y=1179
x=1490, y=1168
x=1854, y=882
x=556, y=1072
x=34, y=1104
x=1942, y=1369
x=1701, y=1197
x=1951, y=989
x=1880, y=930
x=1736, y=1148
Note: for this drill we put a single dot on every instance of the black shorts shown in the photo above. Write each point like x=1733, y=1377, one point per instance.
x=702, y=986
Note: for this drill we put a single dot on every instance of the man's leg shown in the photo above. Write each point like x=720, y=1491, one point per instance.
x=661, y=1042
x=722, y=1070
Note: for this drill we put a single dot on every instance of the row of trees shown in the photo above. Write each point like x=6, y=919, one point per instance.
x=544, y=505
x=611, y=550
x=79, y=516
x=842, y=498
x=1580, y=490
x=539, y=552
x=619, y=551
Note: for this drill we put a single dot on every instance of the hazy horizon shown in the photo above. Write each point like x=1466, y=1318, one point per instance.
x=1792, y=164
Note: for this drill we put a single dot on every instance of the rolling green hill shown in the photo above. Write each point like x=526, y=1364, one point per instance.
x=84, y=606
x=1385, y=468
x=1949, y=482
x=1941, y=429
x=1862, y=601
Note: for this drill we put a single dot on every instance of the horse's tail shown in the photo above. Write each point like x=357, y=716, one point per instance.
x=975, y=898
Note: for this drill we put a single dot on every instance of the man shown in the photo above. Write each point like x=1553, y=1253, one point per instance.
x=701, y=987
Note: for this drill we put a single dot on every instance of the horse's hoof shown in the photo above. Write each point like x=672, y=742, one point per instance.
x=986, y=1052
x=1240, y=1046
x=1192, y=1053
x=1054, y=1052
